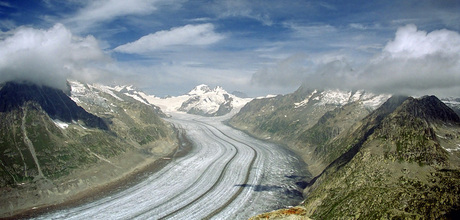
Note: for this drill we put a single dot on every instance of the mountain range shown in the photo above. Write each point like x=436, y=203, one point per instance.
x=306, y=119
x=201, y=100
x=373, y=157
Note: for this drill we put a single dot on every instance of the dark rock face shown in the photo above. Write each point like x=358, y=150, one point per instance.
x=53, y=101
x=432, y=109
x=225, y=107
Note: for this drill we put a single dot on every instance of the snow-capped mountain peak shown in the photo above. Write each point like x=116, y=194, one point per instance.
x=219, y=89
x=91, y=92
x=200, y=90
x=200, y=100
x=211, y=102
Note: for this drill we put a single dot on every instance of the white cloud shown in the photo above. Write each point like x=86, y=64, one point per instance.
x=414, y=63
x=242, y=8
x=95, y=12
x=310, y=31
x=104, y=10
x=412, y=43
x=364, y=27
x=358, y=26
x=190, y=35
x=7, y=24
x=177, y=79
x=48, y=57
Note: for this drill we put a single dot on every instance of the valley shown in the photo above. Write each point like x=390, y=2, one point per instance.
x=227, y=175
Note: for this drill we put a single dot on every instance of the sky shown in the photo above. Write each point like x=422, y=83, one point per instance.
x=259, y=47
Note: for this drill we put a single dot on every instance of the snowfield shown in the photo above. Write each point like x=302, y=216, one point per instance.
x=340, y=98
x=227, y=175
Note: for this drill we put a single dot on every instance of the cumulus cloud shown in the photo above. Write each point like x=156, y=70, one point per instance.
x=188, y=35
x=415, y=62
x=48, y=57
x=412, y=43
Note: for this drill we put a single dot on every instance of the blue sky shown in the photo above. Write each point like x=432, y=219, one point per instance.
x=166, y=47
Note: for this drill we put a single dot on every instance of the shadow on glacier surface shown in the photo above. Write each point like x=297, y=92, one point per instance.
x=291, y=192
x=301, y=180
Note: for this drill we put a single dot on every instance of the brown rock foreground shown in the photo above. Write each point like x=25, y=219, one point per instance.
x=294, y=213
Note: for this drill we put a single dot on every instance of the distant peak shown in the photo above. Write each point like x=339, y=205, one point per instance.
x=429, y=108
x=200, y=89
